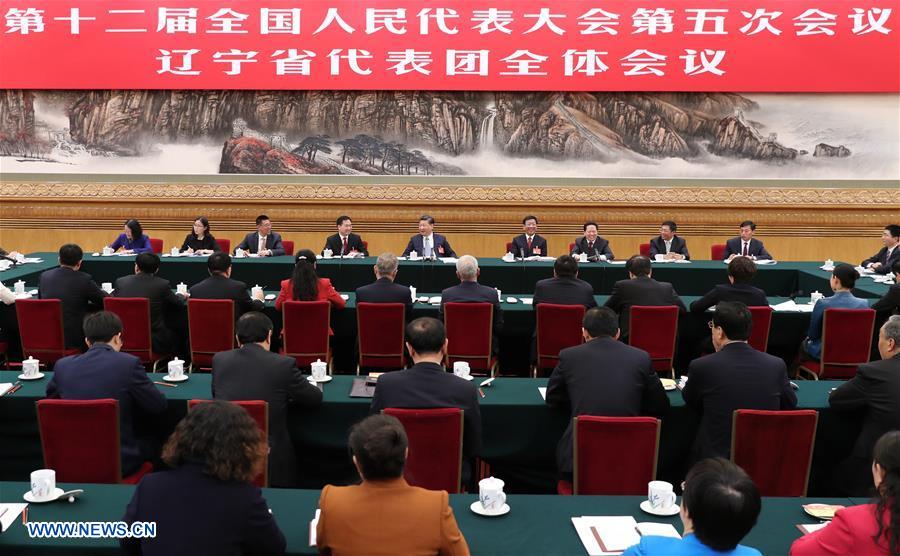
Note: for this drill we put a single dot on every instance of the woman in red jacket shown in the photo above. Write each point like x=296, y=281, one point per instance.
x=870, y=528
x=305, y=284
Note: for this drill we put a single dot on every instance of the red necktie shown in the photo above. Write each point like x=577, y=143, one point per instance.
x=344, y=249
x=529, y=244
x=746, y=246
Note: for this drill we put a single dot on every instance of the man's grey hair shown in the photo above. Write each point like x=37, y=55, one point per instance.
x=467, y=267
x=386, y=264
x=892, y=329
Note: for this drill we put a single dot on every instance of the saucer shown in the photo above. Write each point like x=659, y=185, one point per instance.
x=470, y=377
x=168, y=378
x=645, y=505
x=328, y=378
x=270, y=296
x=52, y=498
x=35, y=377
x=479, y=509
x=824, y=512
x=668, y=383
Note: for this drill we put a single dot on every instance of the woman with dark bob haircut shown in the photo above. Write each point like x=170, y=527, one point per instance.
x=200, y=241
x=867, y=528
x=205, y=503
x=132, y=239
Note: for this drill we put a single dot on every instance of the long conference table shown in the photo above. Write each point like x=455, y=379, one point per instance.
x=535, y=525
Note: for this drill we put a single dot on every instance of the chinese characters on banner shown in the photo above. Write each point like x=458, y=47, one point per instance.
x=667, y=45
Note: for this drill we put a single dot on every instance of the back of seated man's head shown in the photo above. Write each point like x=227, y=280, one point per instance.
x=218, y=262
x=101, y=326
x=742, y=270
x=846, y=275
x=638, y=265
x=426, y=335
x=467, y=268
x=600, y=322
x=734, y=318
x=253, y=327
x=722, y=502
x=379, y=444
x=565, y=266
x=70, y=254
x=386, y=264
x=148, y=263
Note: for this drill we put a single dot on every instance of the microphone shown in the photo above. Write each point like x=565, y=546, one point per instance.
x=522, y=254
x=594, y=257
x=798, y=293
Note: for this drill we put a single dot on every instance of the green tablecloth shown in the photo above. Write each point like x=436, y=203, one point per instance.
x=535, y=525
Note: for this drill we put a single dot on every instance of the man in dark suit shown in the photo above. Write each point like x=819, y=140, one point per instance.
x=530, y=243
x=219, y=285
x=669, y=244
x=565, y=288
x=595, y=247
x=640, y=289
x=427, y=243
x=252, y=372
x=890, y=301
x=263, y=242
x=603, y=377
x=427, y=385
x=104, y=372
x=345, y=242
x=75, y=289
x=384, y=289
x=144, y=283
x=470, y=291
x=883, y=261
x=735, y=377
x=875, y=388
x=745, y=244
x=741, y=271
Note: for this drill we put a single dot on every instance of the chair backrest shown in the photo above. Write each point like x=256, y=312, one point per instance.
x=558, y=327
x=645, y=249
x=259, y=410
x=571, y=247
x=365, y=245
x=775, y=448
x=305, y=332
x=509, y=247
x=380, y=329
x=846, y=341
x=211, y=329
x=435, y=447
x=654, y=330
x=717, y=251
x=134, y=312
x=288, y=246
x=41, y=328
x=80, y=439
x=156, y=245
x=762, y=324
x=633, y=440
x=224, y=245
x=469, y=334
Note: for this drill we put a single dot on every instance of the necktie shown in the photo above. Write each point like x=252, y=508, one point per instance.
x=529, y=244
x=426, y=249
x=591, y=247
x=746, y=248
x=344, y=248
x=262, y=245
x=668, y=247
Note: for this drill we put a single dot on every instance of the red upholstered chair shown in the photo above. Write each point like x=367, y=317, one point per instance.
x=775, y=448
x=645, y=249
x=134, y=313
x=224, y=245
x=717, y=252
x=558, y=327
x=288, y=246
x=571, y=248
x=469, y=335
x=80, y=440
x=259, y=410
x=435, y=447
x=211, y=329
x=613, y=455
x=365, y=245
x=41, y=330
x=156, y=245
x=4, y=349
x=380, y=329
x=509, y=247
x=654, y=329
x=762, y=324
x=846, y=337
x=305, y=332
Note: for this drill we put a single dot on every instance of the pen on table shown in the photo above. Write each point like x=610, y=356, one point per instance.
x=481, y=391
x=165, y=384
x=3, y=513
x=14, y=387
x=24, y=515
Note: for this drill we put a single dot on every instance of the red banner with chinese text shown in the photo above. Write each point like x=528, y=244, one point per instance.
x=615, y=45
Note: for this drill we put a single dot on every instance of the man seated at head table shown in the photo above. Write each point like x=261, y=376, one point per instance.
x=640, y=289
x=669, y=245
x=410, y=520
x=746, y=245
x=345, y=242
x=76, y=290
x=219, y=285
x=104, y=372
x=741, y=271
x=529, y=244
x=385, y=289
x=591, y=244
x=565, y=288
x=890, y=301
x=883, y=261
x=427, y=243
x=263, y=242
x=470, y=291
x=720, y=505
x=843, y=280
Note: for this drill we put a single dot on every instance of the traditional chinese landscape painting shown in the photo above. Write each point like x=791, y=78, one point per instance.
x=403, y=133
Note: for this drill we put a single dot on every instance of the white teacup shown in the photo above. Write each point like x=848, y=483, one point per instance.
x=461, y=369
x=239, y=253
x=327, y=253
x=181, y=288
x=319, y=370
x=582, y=258
x=414, y=255
x=659, y=257
x=491, y=495
x=816, y=296
x=31, y=366
x=19, y=287
x=661, y=495
x=43, y=483
x=176, y=368
x=107, y=287
x=256, y=291
x=108, y=250
x=174, y=252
